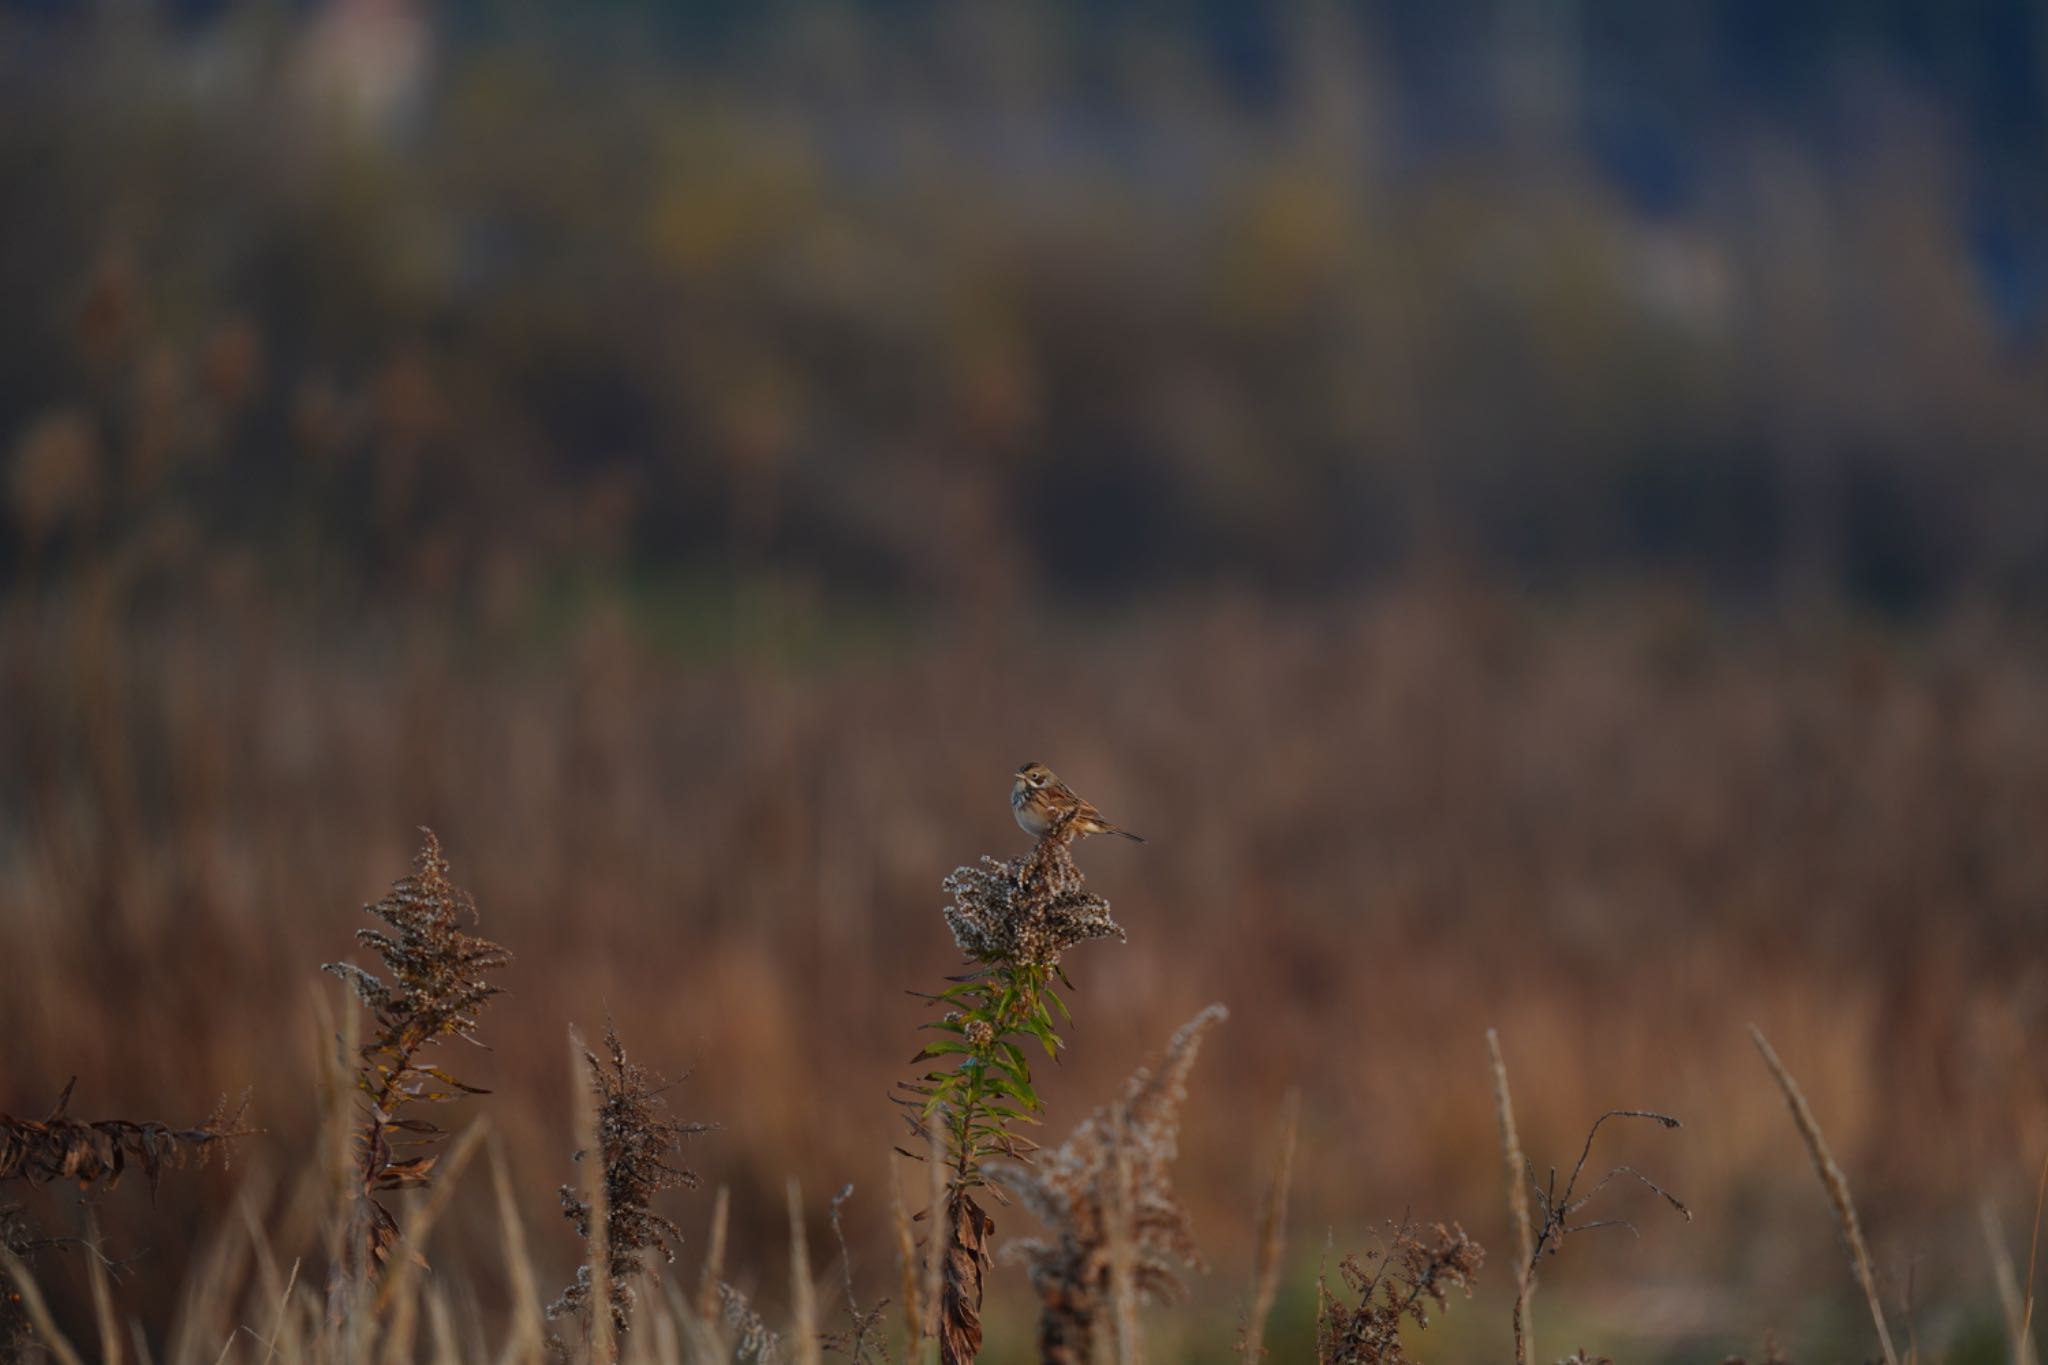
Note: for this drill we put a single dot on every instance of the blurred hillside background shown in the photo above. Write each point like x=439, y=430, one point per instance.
x=1538, y=508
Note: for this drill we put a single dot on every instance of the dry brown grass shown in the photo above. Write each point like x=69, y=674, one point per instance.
x=1624, y=831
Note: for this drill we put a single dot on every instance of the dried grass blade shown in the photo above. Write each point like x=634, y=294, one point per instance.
x=102, y=1298
x=2033, y=1255
x=1272, y=1234
x=908, y=1266
x=1123, y=1278
x=38, y=1311
x=1515, y=1165
x=803, y=1294
x=597, y=1248
x=934, y=1235
x=528, y=1341
x=1836, y=1185
x=714, y=1259
x=396, y=1299
x=2005, y=1276
x=277, y=1321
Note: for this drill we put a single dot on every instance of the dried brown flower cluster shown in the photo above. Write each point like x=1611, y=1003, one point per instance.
x=436, y=989
x=99, y=1151
x=636, y=1137
x=1027, y=910
x=1401, y=1281
x=1075, y=1191
x=753, y=1341
x=95, y=1153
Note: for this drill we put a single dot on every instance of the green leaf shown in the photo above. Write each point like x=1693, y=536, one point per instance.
x=1044, y=1034
x=1012, y=1112
x=1023, y=1094
x=438, y=1074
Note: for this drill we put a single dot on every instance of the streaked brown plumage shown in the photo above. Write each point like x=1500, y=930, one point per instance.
x=1038, y=798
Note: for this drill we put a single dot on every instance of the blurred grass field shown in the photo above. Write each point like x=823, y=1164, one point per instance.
x=1536, y=512
x=1618, y=833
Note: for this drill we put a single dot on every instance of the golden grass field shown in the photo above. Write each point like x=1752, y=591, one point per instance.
x=1618, y=832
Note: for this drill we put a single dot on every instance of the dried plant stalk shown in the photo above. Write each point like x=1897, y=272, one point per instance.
x=594, y=1276
x=436, y=989
x=2034, y=1254
x=803, y=1294
x=1014, y=920
x=95, y=1153
x=396, y=1302
x=907, y=1265
x=934, y=1241
x=1399, y=1282
x=1518, y=1200
x=1836, y=1185
x=629, y=1151
x=714, y=1257
x=1123, y=1247
x=1120, y=1232
x=861, y=1340
x=1272, y=1236
x=529, y=1338
x=102, y=1298
x=98, y=1152
x=2005, y=1275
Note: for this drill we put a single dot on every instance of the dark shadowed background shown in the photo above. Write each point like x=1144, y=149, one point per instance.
x=1538, y=509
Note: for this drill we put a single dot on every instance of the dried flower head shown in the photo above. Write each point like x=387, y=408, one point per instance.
x=437, y=984
x=1399, y=1281
x=753, y=1342
x=99, y=1151
x=95, y=1153
x=636, y=1137
x=436, y=990
x=1074, y=1191
x=1028, y=910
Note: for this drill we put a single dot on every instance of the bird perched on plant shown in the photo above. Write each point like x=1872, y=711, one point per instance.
x=1039, y=800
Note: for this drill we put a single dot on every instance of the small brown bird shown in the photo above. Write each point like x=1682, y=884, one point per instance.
x=1038, y=798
